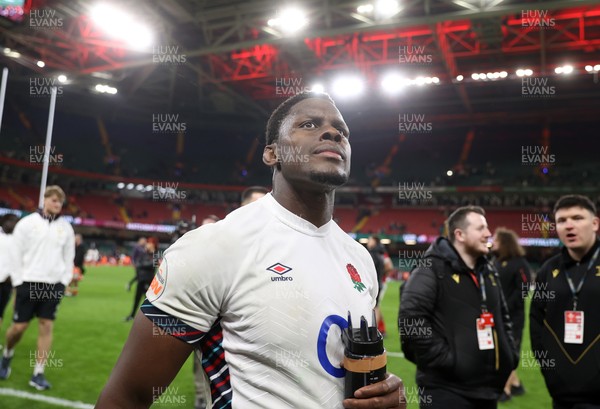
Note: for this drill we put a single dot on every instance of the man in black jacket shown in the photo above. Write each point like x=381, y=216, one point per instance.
x=565, y=309
x=453, y=319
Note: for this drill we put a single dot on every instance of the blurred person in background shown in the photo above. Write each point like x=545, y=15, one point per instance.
x=43, y=252
x=376, y=251
x=138, y=250
x=564, y=318
x=515, y=275
x=183, y=226
x=454, y=322
x=147, y=263
x=78, y=269
x=252, y=194
x=211, y=218
x=7, y=266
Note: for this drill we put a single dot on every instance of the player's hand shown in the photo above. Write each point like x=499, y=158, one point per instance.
x=387, y=394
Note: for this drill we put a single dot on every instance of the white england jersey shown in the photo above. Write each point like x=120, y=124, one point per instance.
x=265, y=294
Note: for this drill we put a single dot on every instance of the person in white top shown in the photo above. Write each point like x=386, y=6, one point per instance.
x=263, y=293
x=7, y=225
x=43, y=253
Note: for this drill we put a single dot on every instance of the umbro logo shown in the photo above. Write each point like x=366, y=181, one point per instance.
x=280, y=269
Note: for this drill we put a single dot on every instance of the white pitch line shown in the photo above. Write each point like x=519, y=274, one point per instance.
x=46, y=399
x=396, y=354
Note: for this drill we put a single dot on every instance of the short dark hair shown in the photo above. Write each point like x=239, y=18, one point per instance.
x=567, y=201
x=253, y=189
x=7, y=218
x=280, y=113
x=458, y=218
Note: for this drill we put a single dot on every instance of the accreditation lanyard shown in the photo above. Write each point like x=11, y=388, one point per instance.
x=481, y=286
x=576, y=291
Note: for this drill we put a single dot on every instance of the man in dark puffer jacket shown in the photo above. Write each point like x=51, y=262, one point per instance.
x=453, y=319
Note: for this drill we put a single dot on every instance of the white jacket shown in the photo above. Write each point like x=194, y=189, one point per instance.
x=7, y=267
x=43, y=250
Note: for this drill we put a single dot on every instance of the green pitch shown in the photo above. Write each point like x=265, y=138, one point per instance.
x=90, y=332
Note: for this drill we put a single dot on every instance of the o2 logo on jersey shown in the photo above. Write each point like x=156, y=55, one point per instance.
x=322, y=344
x=158, y=284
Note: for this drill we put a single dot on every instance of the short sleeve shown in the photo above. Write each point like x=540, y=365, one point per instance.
x=191, y=281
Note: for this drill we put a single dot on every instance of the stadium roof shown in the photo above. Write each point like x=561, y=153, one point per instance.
x=222, y=62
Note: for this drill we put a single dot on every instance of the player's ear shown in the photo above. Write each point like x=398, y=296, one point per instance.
x=270, y=155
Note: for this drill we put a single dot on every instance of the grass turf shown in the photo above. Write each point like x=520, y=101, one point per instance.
x=89, y=335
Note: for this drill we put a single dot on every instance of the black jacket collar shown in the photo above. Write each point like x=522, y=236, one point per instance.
x=568, y=261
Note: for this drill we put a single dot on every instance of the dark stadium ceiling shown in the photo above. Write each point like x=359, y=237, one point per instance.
x=222, y=62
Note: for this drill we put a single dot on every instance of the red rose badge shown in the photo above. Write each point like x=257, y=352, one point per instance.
x=355, y=277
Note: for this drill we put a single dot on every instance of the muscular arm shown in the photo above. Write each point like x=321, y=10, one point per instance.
x=148, y=363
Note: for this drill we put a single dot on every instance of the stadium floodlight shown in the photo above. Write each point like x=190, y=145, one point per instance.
x=420, y=81
x=565, y=69
x=348, y=86
x=62, y=78
x=289, y=20
x=386, y=8
x=120, y=185
x=490, y=75
x=503, y=74
x=393, y=83
x=11, y=53
x=318, y=88
x=385, y=241
x=365, y=9
x=597, y=67
x=524, y=72
x=460, y=78
x=435, y=80
x=589, y=68
x=105, y=89
x=41, y=64
x=122, y=26
x=149, y=188
x=139, y=187
x=449, y=173
x=475, y=76
x=130, y=186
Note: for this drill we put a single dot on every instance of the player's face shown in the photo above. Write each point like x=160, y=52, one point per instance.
x=313, y=144
x=475, y=236
x=576, y=227
x=52, y=205
x=254, y=197
x=495, y=243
